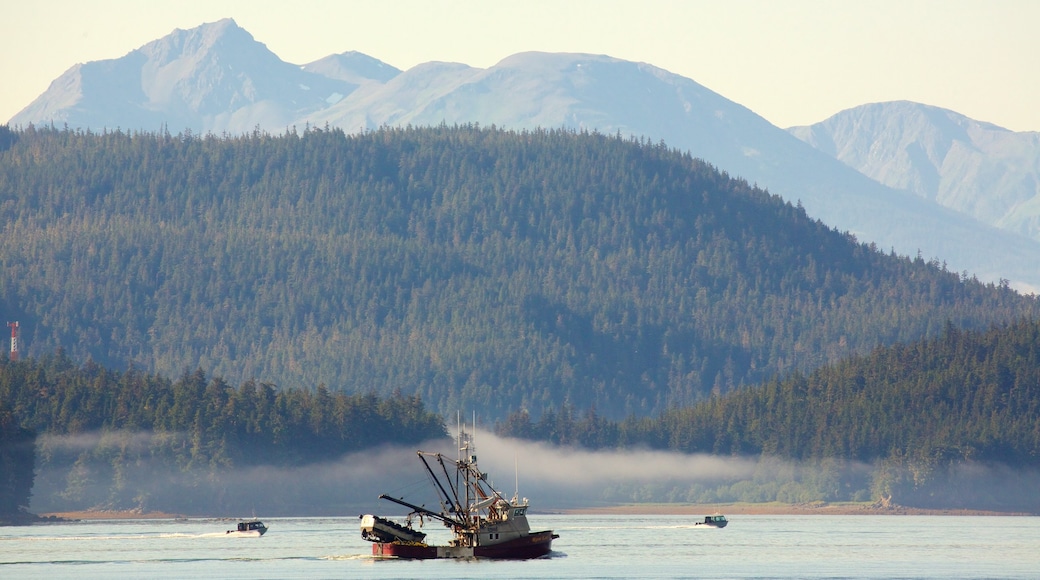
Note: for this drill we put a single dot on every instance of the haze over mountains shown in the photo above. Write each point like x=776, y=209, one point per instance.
x=218, y=78
x=976, y=168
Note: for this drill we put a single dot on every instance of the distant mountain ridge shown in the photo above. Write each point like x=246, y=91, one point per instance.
x=213, y=78
x=976, y=168
x=216, y=78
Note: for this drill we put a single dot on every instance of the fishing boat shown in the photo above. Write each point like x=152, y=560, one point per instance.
x=483, y=523
x=250, y=529
x=716, y=521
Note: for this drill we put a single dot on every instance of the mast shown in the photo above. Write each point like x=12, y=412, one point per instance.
x=470, y=458
x=461, y=509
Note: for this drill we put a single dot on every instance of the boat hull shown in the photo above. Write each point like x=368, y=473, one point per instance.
x=534, y=545
x=247, y=534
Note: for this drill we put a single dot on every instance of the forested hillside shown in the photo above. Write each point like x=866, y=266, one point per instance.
x=965, y=405
x=17, y=461
x=121, y=440
x=480, y=269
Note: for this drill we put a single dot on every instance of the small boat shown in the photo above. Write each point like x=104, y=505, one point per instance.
x=483, y=523
x=250, y=529
x=716, y=521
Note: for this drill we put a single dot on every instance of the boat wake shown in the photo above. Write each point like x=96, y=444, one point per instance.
x=165, y=536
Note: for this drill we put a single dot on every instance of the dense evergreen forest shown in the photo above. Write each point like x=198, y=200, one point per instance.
x=916, y=412
x=477, y=268
x=102, y=431
x=17, y=461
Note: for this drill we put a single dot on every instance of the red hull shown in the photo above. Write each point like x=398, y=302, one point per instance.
x=535, y=545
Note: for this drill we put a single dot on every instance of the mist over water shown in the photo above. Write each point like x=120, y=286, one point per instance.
x=551, y=477
x=558, y=477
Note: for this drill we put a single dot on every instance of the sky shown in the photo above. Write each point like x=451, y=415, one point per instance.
x=794, y=62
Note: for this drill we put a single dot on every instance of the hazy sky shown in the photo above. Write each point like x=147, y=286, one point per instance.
x=793, y=62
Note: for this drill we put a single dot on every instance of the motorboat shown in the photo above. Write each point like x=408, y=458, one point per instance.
x=715, y=521
x=249, y=529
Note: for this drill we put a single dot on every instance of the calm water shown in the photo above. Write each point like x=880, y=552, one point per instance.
x=588, y=547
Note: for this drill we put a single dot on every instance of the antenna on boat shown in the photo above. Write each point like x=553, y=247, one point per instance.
x=458, y=434
x=516, y=474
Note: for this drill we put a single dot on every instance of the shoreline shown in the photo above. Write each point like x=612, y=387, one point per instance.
x=781, y=509
x=699, y=510
x=111, y=515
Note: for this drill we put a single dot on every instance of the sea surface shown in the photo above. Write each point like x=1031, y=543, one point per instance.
x=590, y=546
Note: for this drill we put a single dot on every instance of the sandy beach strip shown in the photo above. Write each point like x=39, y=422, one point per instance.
x=815, y=508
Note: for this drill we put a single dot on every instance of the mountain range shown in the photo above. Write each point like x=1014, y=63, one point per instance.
x=976, y=168
x=935, y=192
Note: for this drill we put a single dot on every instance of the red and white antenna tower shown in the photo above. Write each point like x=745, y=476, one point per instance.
x=14, y=340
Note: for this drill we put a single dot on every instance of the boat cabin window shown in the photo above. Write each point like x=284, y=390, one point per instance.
x=519, y=512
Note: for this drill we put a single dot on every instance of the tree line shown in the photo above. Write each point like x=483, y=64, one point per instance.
x=17, y=462
x=918, y=413
x=92, y=426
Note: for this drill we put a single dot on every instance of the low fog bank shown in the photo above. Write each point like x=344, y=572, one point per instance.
x=121, y=471
x=565, y=477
